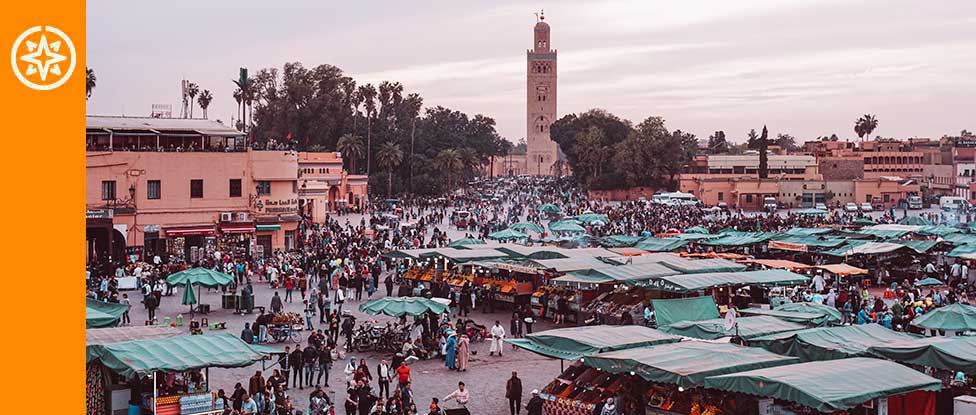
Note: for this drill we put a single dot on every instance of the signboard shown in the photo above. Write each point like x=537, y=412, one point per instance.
x=278, y=206
x=787, y=246
x=98, y=214
x=967, y=141
x=150, y=228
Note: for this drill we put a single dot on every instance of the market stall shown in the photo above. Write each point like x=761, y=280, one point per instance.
x=827, y=343
x=167, y=375
x=744, y=328
x=102, y=313
x=659, y=379
x=833, y=386
x=574, y=342
x=954, y=317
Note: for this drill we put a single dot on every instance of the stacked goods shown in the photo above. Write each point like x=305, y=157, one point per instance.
x=287, y=318
x=194, y=404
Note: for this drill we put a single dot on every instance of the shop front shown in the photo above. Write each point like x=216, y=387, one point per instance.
x=102, y=240
x=192, y=242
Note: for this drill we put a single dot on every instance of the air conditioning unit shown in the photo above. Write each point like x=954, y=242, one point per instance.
x=226, y=217
x=242, y=216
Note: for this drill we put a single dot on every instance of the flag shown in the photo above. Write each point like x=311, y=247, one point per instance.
x=306, y=141
x=289, y=137
x=254, y=138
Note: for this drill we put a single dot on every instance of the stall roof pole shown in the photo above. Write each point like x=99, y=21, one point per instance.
x=155, y=396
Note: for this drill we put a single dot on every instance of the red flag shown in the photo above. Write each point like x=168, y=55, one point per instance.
x=289, y=137
x=254, y=138
x=306, y=141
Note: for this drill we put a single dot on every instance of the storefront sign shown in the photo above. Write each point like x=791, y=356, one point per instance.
x=278, y=206
x=98, y=214
x=150, y=228
x=787, y=246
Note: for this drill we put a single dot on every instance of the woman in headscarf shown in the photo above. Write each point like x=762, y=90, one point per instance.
x=463, y=351
x=350, y=369
x=450, y=350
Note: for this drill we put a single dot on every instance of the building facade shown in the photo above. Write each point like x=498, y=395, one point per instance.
x=324, y=186
x=541, y=77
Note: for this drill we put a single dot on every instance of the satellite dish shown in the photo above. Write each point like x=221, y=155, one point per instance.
x=730, y=319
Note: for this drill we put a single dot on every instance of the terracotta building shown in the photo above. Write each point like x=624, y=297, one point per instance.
x=324, y=186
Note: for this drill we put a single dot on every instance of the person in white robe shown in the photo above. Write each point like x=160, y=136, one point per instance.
x=497, y=335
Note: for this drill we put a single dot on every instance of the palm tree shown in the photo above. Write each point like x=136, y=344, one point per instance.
x=388, y=157
x=865, y=125
x=413, y=102
x=204, y=101
x=351, y=148
x=245, y=84
x=449, y=162
x=239, y=97
x=90, y=80
x=368, y=94
x=192, y=90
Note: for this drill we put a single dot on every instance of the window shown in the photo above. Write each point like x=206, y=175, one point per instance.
x=294, y=187
x=108, y=190
x=196, y=188
x=721, y=196
x=235, y=187
x=748, y=198
x=153, y=189
x=264, y=188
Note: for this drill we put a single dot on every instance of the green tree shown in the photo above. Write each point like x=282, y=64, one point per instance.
x=674, y=152
x=205, y=98
x=388, y=157
x=368, y=93
x=413, y=103
x=865, y=125
x=592, y=154
x=786, y=142
x=763, y=143
x=449, y=162
x=245, y=85
x=752, y=141
x=90, y=81
x=192, y=89
x=520, y=148
x=351, y=148
x=717, y=143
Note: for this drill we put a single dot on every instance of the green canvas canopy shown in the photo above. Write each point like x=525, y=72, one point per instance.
x=565, y=226
x=575, y=342
x=549, y=208
x=919, y=246
x=661, y=244
x=915, y=220
x=865, y=248
x=967, y=251
x=634, y=274
x=929, y=282
x=687, y=363
x=748, y=327
x=811, y=212
x=807, y=231
x=581, y=277
x=465, y=255
x=593, y=218
x=527, y=227
x=827, y=343
x=398, y=306
x=883, y=233
x=684, y=309
x=619, y=241
x=956, y=317
x=695, y=236
x=408, y=253
x=128, y=333
x=696, y=229
x=812, y=241
x=695, y=282
x=957, y=354
x=938, y=230
x=831, y=314
x=862, y=221
x=960, y=239
x=740, y=239
x=102, y=314
x=140, y=358
x=810, y=319
x=460, y=243
x=700, y=266
x=507, y=234
x=828, y=386
x=200, y=276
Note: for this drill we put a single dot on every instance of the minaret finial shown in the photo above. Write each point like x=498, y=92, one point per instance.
x=542, y=14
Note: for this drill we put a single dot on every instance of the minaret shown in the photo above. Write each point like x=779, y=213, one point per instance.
x=540, y=102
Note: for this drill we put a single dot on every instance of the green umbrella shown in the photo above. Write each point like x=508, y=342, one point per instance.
x=507, y=234
x=956, y=317
x=200, y=276
x=549, y=208
x=466, y=241
x=915, y=220
x=929, y=282
x=189, y=297
x=593, y=218
x=398, y=306
x=697, y=229
x=528, y=227
x=565, y=226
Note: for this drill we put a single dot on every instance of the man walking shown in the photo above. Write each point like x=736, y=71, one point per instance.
x=311, y=359
x=497, y=334
x=325, y=363
x=513, y=391
x=296, y=361
x=534, y=407
x=285, y=366
x=276, y=305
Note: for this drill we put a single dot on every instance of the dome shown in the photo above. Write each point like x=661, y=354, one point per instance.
x=542, y=26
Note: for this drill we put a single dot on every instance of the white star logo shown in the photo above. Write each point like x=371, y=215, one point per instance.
x=47, y=49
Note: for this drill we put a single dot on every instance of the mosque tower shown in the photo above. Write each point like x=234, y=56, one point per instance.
x=542, y=152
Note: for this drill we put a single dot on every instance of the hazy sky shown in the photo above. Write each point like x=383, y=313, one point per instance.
x=803, y=67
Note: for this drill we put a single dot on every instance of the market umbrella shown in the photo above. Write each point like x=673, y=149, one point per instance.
x=565, y=226
x=929, y=282
x=593, y=218
x=956, y=317
x=189, y=297
x=549, y=208
x=697, y=229
x=398, y=306
x=200, y=276
x=528, y=227
x=915, y=220
x=862, y=222
x=831, y=314
x=466, y=241
x=507, y=234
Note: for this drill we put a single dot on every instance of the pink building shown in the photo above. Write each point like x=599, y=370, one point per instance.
x=325, y=186
x=185, y=186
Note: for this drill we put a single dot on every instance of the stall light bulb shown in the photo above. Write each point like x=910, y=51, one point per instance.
x=681, y=389
x=632, y=373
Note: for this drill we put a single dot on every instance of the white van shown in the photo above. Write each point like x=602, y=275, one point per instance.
x=674, y=198
x=914, y=202
x=769, y=204
x=953, y=203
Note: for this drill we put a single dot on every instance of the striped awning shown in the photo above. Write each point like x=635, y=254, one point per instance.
x=237, y=228
x=190, y=230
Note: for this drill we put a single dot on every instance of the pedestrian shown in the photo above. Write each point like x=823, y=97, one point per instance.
x=383, y=376
x=283, y=362
x=325, y=364
x=247, y=334
x=125, y=314
x=256, y=383
x=151, y=303
x=388, y=281
x=513, y=392
x=534, y=407
x=297, y=363
x=497, y=335
x=462, y=395
x=450, y=351
x=309, y=312
x=276, y=305
x=463, y=352
x=403, y=380
x=289, y=287
x=310, y=360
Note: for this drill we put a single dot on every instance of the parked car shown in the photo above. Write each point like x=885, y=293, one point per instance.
x=914, y=202
x=866, y=207
x=722, y=205
x=851, y=207
x=821, y=206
